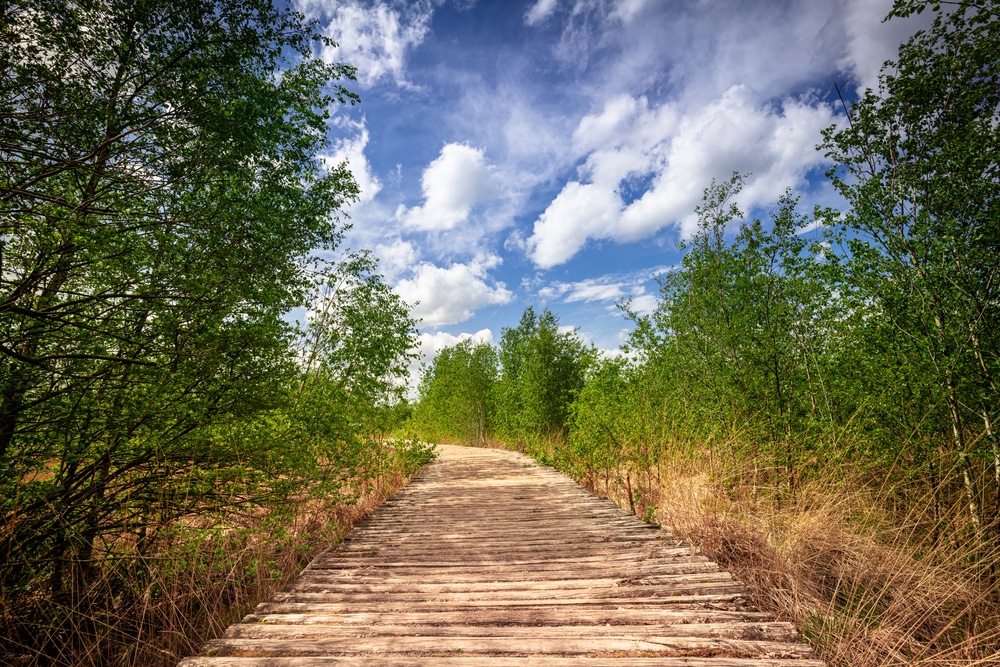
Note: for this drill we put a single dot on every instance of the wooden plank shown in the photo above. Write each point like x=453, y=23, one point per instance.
x=695, y=603
x=538, y=537
x=499, y=553
x=323, y=591
x=460, y=660
x=768, y=631
x=401, y=575
x=524, y=583
x=544, y=570
x=438, y=561
x=532, y=617
x=503, y=645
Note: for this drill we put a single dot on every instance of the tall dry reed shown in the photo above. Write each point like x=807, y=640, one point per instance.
x=866, y=586
x=201, y=576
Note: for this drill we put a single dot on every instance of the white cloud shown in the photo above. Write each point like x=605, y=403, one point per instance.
x=432, y=343
x=870, y=42
x=644, y=304
x=528, y=137
x=579, y=212
x=352, y=151
x=541, y=10
x=535, y=138
x=451, y=295
x=776, y=146
x=396, y=257
x=679, y=157
x=810, y=227
x=452, y=185
x=614, y=125
x=591, y=289
x=612, y=288
x=704, y=47
x=626, y=10
x=374, y=36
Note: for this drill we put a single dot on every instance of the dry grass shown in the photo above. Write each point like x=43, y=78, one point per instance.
x=199, y=579
x=866, y=588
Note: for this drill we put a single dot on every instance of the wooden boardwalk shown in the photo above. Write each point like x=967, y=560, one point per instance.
x=486, y=558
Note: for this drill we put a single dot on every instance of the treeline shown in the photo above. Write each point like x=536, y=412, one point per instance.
x=162, y=209
x=860, y=347
x=520, y=392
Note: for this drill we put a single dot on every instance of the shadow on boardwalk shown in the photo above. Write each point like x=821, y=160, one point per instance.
x=486, y=558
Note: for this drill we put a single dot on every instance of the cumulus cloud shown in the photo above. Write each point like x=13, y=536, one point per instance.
x=451, y=295
x=432, y=343
x=396, y=257
x=580, y=212
x=374, y=36
x=674, y=157
x=626, y=125
x=452, y=185
x=591, y=289
x=774, y=144
x=643, y=304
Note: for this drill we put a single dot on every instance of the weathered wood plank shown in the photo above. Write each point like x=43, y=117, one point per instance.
x=769, y=631
x=513, y=617
x=558, y=571
x=730, y=602
x=527, y=559
x=526, y=583
x=322, y=592
x=487, y=558
x=502, y=645
x=497, y=661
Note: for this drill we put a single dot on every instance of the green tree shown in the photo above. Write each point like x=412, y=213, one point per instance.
x=357, y=342
x=918, y=166
x=457, y=393
x=743, y=325
x=600, y=415
x=541, y=371
x=159, y=196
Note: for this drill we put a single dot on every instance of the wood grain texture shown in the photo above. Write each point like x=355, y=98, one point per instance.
x=487, y=558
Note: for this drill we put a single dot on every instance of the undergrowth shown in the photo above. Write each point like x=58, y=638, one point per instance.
x=866, y=586
x=202, y=574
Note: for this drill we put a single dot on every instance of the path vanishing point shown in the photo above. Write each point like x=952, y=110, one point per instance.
x=486, y=558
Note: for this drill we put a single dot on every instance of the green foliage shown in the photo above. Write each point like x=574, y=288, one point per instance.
x=521, y=393
x=355, y=350
x=160, y=197
x=599, y=432
x=742, y=325
x=918, y=166
x=457, y=394
x=541, y=372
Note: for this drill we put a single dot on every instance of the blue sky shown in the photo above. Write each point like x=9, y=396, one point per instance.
x=551, y=152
